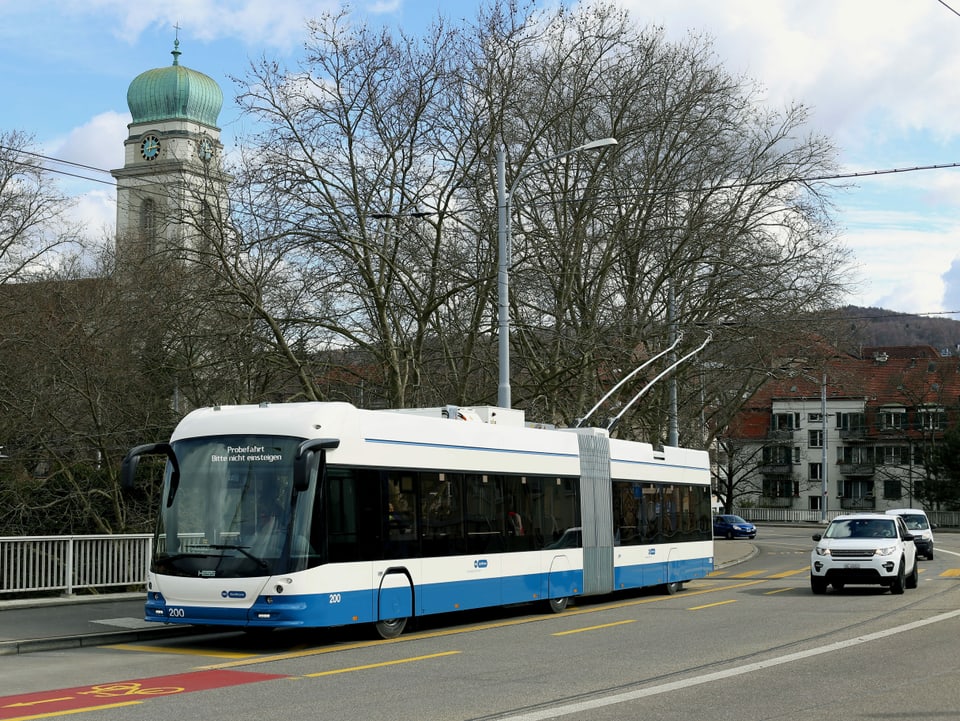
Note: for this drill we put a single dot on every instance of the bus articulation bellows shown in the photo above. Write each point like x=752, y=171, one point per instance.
x=322, y=514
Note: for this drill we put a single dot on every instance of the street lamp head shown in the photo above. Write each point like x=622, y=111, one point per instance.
x=601, y=143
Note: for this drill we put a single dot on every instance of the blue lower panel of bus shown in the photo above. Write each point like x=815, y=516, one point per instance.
x=654, y=574
x=348, y=607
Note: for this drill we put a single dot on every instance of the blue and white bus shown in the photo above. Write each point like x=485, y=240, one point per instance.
x=322, y=514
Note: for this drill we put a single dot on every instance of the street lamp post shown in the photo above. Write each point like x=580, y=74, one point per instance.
x=504, y=200
x=823, y=474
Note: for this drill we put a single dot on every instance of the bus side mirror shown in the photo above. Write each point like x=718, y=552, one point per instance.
x=307, y=460
x=128, y=468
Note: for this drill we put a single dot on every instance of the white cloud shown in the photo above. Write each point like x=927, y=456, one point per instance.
x=97, y=143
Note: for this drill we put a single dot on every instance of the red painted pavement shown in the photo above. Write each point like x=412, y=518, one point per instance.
x=122, y=693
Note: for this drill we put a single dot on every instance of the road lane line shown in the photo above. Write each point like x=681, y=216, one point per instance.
x=594, y=628
x=381, y=664
x=777, y=590
x=582, y=706
x=787, y=574
x=180, y=650
x=711, y=605
x=746, y=574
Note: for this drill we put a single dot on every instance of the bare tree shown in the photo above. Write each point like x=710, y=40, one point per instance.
x=361, y=240
x=31, y=210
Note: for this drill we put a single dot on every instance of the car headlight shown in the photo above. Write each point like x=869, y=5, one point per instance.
x=822, y=551
x=885, y=551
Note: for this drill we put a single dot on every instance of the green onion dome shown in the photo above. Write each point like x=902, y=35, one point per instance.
x=174, y=93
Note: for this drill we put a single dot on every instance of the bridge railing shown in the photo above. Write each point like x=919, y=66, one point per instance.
x=70, y=563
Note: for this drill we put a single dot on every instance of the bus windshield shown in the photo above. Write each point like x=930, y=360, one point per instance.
x=231, y=513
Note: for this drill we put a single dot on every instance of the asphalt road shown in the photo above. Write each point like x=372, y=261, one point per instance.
x=750, y=642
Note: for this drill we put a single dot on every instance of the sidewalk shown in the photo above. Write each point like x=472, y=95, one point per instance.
x=47, y=624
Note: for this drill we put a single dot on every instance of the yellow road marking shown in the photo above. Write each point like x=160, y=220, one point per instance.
x=68, y=712
x=380, y=665
x=595, y=628
x=711, y=605
x=786, y=574
x=951, y=573
x=778, y=590
x=440, y=633
x=181, y=651
x=746, y=574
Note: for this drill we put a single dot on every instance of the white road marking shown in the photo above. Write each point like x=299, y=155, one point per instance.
x=595, y=703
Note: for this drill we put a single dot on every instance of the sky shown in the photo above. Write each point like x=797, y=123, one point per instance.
x=880, y=78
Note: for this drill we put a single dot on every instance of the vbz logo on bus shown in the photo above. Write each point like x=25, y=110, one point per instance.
x=480, y=563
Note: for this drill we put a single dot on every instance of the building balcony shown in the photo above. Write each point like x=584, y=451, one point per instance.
x=776, y=469
x=780, y=434
x=866, y=503
x=853, y=434
x=776, y=502
x=857, y=469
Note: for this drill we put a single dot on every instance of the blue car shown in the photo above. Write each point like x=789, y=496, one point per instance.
x=730, y=527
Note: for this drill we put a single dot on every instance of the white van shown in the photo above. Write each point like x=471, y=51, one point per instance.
x=920, y=527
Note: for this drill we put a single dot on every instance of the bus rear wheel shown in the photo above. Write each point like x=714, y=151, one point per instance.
x=391, y=627
x=672, y=588
x=559, y=605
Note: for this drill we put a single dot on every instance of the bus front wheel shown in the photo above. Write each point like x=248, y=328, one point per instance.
x=559, y=605
x=391, y=627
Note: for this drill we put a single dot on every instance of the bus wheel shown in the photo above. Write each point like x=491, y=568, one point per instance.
x=559, y=605
x=671, y=588
x=391, y=627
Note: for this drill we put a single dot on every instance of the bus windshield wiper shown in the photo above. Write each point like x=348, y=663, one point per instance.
x=243, y=549
x=180, y=556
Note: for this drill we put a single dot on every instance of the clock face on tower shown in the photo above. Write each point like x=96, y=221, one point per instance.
x=205, y=149
x=150, y=147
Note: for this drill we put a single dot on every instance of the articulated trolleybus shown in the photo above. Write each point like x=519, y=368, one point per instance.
x=321, y=514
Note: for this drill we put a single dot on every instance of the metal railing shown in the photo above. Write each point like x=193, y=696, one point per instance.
x=69, y=563
x=942, y=519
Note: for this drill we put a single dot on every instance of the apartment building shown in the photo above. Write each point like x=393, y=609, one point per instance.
x=850, y=434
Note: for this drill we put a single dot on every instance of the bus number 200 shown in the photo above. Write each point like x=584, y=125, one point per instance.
x=334, y=598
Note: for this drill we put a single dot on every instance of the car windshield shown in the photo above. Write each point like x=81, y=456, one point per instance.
x=915, y=521
x=862, y=528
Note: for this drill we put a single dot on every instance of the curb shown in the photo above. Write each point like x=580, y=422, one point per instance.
x=15, y=648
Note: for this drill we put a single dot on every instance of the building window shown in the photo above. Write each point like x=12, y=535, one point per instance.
x=851, y=421
x=931, y=419
x=857, y=455
x=777, y=488
x=892, y=419
x=776, y=455
x=892, y=490
x=785, y=421
x=815, y=439
x=892, y=455
x=816, y=471
x=796, y=455
x=815, y=417
x=148, y=223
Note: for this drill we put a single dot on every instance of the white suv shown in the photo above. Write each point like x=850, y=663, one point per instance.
x=920, y=527
x=872, y=548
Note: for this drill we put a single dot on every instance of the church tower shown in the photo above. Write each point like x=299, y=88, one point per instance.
x=171, y=189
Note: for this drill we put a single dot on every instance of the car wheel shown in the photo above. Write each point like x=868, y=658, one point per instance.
x=899, y=583
x=818, y=585
x=930, y=555
x=913, y=579
x=729, y=535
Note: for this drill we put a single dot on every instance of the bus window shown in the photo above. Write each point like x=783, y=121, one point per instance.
x=441, y=514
